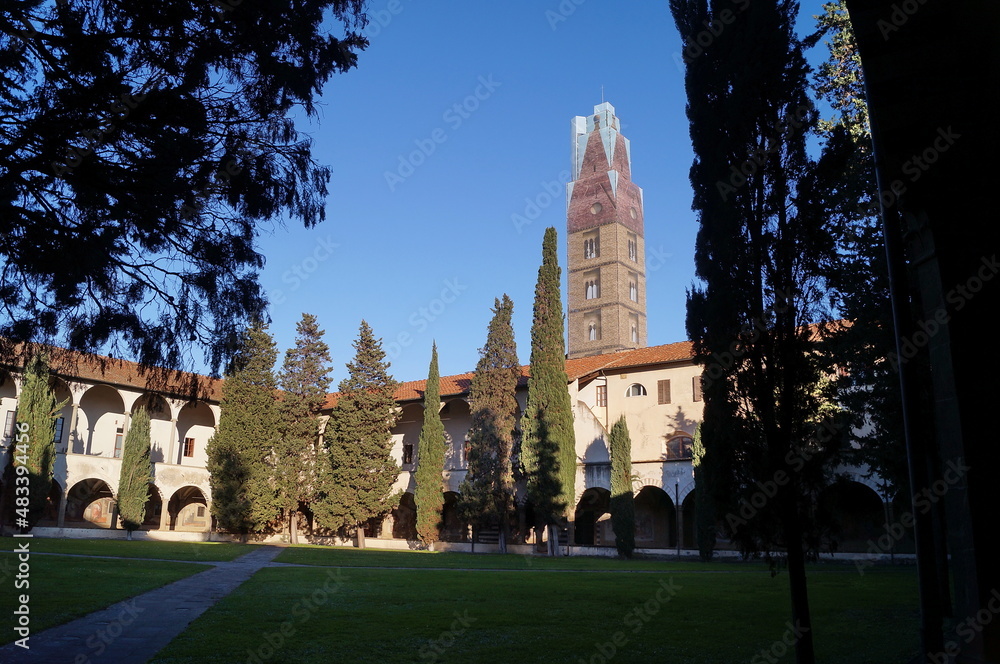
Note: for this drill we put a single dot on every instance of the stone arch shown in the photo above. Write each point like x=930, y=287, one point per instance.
x=591, y=525
x=154, y=509
x=101, y=420
x=453, y=529
x=856, y=513
x=689, y=520
x=90, y=504
x=161, y=425
x=195, y=425
x=404, y=518
x=187, y=510
x=655, y=518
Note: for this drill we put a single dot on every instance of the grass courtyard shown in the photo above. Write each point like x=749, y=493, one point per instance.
x=381, y=606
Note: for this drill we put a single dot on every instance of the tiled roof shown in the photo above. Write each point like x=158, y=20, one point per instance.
x=72, y=365
x=576, y=368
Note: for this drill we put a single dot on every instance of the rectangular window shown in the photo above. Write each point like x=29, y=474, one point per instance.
x=663, y=391
x=466, y=446
x=602, y=395
x=407, y=454
x=8, y=426
x=119, y=437
x=696, y=387
x=201, y=511
x=57, y=438
x=633, y=248
x=189, y=447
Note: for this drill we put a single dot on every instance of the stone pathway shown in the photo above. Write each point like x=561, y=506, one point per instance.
x=133, y=631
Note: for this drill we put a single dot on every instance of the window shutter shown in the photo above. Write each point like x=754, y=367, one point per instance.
x=663, y=391
x=696, y=387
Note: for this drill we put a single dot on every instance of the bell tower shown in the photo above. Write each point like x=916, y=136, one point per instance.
x=604, y=235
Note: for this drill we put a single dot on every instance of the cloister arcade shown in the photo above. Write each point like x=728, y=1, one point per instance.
x=90, y=431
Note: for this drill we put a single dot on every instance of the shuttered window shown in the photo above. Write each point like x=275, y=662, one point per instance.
x=696, y=387
x=663, y=391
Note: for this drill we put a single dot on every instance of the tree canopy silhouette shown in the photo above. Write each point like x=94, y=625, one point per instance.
x=142, y=147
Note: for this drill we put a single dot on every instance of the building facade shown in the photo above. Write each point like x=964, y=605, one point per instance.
x=611, y=373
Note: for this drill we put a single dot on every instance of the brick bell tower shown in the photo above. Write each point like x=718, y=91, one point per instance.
x=607, y=265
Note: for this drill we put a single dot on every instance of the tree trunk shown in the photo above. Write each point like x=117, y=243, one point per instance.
x=360, y=534
x=293, y=527
x=502, y=540
x=553, y=540
x=128, y=535
x=801, y=620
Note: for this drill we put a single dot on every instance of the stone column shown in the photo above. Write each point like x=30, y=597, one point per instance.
x=61, y=518
x=165, y=514
x=73, y=419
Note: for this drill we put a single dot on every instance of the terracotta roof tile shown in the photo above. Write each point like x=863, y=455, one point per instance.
x=582, y=366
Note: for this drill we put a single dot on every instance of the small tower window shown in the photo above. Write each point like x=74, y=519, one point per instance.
x=633, y=245
x=592, y=332
x=592, y=284
x=591, y=245
x=633, y=291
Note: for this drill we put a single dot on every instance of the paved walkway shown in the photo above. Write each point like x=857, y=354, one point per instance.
x=133, y=631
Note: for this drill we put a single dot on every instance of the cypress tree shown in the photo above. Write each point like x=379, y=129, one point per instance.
x=622, y=499
x=759, y=254
x=357, y=482
x=304, y=382
x=239, y=453
x=548, y=448
x=429, y=492
x=34, y=444
x=704, y=514
x=136, y=473
x=487, y=492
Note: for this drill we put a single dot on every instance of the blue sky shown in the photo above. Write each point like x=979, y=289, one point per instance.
x=425, y=218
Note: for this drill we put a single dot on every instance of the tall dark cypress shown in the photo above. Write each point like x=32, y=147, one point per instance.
x=487, y=492
x=429, y=492
x=34, y=449
x=759, y=254
x=622, y=498
x=136, y=473
x=548, y=447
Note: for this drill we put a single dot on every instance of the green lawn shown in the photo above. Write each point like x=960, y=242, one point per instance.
x=200, y=551
x=396, y=615
x=62, y=589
